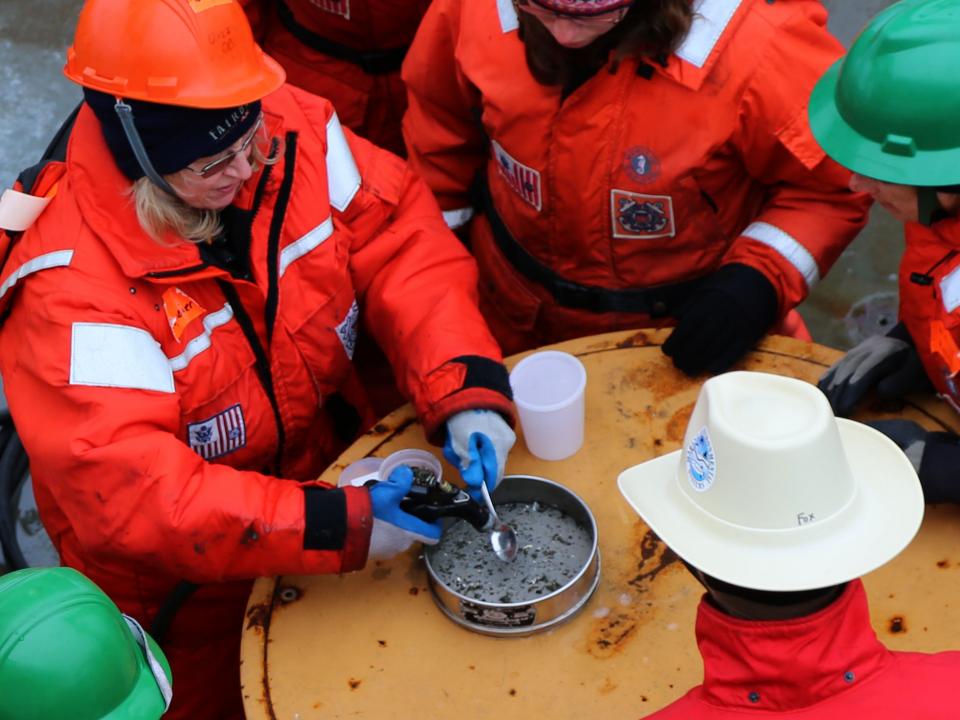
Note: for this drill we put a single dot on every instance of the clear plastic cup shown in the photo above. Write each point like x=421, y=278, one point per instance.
x=548, y=389
x=360, y=472
x=412, y=457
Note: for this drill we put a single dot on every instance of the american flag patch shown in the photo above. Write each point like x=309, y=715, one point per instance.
x=337, y=7
x=219, y=435
x=524, y=181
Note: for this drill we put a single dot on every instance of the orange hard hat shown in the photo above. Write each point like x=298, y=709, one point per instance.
x=194, y=53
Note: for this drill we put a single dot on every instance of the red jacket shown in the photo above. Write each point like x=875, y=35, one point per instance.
x=360, y=74
x=826, y=666
x=644, y=175
x=176, y=417
x=930, y=301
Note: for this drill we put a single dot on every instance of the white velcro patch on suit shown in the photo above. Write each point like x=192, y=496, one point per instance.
x=636, y=216
x=343, y=176
x=120, y=356
x=950, y=290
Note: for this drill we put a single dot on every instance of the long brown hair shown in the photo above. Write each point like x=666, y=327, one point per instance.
x=651, y=29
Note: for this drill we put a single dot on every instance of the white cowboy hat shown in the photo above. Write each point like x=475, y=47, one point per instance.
x=772, y=492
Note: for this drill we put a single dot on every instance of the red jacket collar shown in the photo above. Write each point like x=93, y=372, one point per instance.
x=788, y=664
x=943, y=232
x=103, y=195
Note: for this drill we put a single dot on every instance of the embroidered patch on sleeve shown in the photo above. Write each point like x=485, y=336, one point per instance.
x=337, y=7
x=181, y=310
x=641, y=217
x=347, y=330
x=219, y=435
x=523, y=180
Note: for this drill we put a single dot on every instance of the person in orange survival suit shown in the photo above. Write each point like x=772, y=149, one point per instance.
x=179, y=321
x=647, y=164
x=348, y=51
x=880, y=112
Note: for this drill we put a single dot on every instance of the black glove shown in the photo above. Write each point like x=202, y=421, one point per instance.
x=889, y=363
x=934, y=455
x=722, y=320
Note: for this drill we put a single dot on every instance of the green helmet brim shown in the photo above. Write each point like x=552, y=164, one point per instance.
x=867, y=156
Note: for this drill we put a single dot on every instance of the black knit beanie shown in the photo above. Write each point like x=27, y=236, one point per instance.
x=173, y=136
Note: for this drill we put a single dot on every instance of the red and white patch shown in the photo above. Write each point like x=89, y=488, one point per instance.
x=636, y=216
x=336, y=7
x=523, y=180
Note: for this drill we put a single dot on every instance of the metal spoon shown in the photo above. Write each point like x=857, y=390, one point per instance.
x=502, y=537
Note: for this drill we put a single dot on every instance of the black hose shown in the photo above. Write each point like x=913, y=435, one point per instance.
x=13, y=470
x=171, y=605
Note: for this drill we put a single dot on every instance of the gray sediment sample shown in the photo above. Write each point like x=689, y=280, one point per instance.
x=553, y=548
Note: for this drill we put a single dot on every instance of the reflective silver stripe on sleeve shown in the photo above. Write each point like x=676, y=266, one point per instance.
x=343, y=177
x=508, y=15
x=202, y=341
x=60, y=258
x=156, y=669
x=458, y=217
x=120, y=356
x=313, y=239
x=710, y=19
x=788, y=246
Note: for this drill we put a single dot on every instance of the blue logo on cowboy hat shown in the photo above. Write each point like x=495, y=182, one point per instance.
x=701, y=462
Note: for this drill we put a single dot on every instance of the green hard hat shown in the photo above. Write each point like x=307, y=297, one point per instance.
x=66, y=652
x=889, y=109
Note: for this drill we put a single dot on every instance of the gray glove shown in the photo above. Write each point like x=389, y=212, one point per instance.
x=934, y=455
x=909, y=437
x=887, y=363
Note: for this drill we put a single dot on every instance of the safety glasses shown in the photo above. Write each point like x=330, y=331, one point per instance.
x=220, y=164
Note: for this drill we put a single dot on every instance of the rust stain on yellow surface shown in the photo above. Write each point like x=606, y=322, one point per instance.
x=677, y=426
x=640, y=338
x=608, y=686
x=258, y=616
x=612, y=632
x=655, y=557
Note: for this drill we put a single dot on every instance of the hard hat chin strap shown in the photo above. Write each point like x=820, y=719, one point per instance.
x=166, y=690
x=928, y=206
x=125, y=113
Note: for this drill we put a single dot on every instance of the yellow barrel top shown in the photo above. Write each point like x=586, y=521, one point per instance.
x=372, y=644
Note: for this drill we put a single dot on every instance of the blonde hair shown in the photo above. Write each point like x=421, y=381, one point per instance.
x=160, y=213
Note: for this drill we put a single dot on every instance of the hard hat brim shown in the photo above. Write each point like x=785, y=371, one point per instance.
x=879, y=521
x=865, y=156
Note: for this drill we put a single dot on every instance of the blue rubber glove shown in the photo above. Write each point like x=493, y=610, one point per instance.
x=394, y=530
x=478, y=442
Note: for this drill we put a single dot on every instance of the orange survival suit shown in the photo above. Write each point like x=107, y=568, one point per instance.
x=930, y=301
x=348, y=51
x=176, y=415
x=615, y=201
